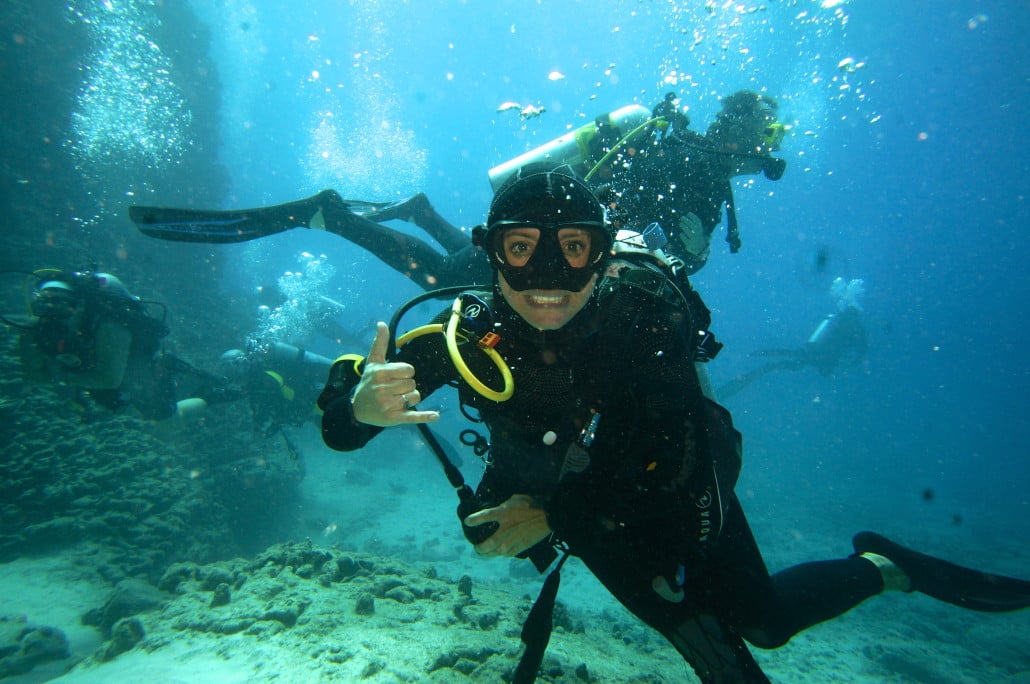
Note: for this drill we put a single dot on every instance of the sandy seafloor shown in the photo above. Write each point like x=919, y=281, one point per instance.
x=425, y=629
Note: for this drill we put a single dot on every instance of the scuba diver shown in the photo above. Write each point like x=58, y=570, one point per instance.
x=647, y=164
x=281, y=382
x=839, y=341
x=602, y=445
x=682, y=179
x=87, y=331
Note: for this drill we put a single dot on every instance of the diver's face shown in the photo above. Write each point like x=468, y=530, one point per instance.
x=745, y=140
x=546, y=309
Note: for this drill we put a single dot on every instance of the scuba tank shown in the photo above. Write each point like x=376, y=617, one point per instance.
x=582, y=148
x=820, y=332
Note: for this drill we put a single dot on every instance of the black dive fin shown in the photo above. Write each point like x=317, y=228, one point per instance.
x=241, y=225
x=370, y=210
x=948, y=582
x=188, y=225
x=233, y=225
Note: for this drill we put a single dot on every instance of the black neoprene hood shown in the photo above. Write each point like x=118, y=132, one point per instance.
x=548, y=201
x=545, y=198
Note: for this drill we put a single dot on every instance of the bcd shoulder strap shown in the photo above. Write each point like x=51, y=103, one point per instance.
x=646, y=290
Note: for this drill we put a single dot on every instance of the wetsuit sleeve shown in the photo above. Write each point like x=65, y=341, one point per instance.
x=340, y=430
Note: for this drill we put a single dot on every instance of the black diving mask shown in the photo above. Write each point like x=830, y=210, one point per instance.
x=548, y=256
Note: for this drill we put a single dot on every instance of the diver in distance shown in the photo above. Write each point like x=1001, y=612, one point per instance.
x=281, y=382
x=839, y=341
x=681, y=179
x=85, y=330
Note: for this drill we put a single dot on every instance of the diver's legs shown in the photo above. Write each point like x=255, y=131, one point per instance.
x=768, y=610
x=405, y=254
x=942, y=580
x=418, y=210
x=452, y=238
x=810, y=593
x=715, y=652
x=298, y=213
x=742, y=382
x=150, y=386
x=468, y=266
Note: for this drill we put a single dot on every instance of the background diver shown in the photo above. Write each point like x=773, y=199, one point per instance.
x=86, y=330
x=682, y=179
x=839, y=341
x=281, y=382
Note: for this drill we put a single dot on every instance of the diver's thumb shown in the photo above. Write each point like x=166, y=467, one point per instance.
x=382, y=342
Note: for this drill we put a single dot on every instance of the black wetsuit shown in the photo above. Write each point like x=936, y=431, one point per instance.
x=665, y=182
x=656, y=499
x=462, y=264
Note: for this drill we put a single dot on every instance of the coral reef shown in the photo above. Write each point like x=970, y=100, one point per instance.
x=147, y=495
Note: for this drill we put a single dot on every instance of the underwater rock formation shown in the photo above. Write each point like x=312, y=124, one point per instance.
x=23, y=646
x=294, y=616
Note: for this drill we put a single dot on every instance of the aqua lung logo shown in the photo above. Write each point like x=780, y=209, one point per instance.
x=705, y=500
x=473, y=310
x=704, y=515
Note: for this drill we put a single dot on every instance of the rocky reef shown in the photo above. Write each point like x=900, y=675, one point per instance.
x=147, y=495
x=300, y=612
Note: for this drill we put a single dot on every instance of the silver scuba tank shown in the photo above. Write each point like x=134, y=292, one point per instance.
x=578, y=148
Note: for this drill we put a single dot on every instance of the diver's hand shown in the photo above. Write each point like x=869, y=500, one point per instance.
x=734, y=242
x=693, y=237
x=386, y=392
x=521, y=525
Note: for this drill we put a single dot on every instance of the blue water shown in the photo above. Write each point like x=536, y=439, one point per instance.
x=909, y=172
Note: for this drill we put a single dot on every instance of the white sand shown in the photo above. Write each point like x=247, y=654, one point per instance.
x=896, y=638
